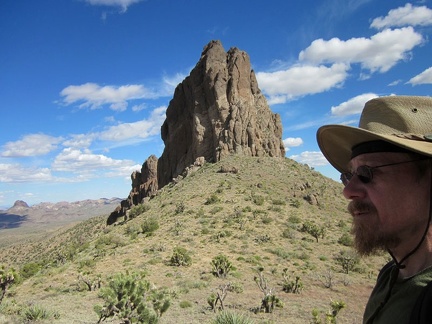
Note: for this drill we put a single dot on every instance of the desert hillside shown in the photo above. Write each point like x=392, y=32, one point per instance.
x=262, y=214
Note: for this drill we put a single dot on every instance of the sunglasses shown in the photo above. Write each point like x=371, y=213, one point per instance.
x=365, y=172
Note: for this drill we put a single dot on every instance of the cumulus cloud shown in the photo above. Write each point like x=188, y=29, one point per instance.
x=313, y=159
x=352, y=106
x=94, y=96
x=31, y=145
x=79, y=140
x=124, y=4
x=379, y=53
x=292, y=142
x=138, y=130
x=423, y=78
x=297, y=81
x=404, y=16
x=85, y=162
x=18, y=173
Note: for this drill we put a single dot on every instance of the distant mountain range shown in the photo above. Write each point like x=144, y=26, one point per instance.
x=46, y=213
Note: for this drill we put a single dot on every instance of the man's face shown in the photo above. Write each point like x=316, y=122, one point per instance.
x=391, y=211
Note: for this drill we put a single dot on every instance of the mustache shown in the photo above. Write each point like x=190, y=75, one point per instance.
x=360, y=207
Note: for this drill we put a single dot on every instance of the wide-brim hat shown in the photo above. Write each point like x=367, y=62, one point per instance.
x=404, y=121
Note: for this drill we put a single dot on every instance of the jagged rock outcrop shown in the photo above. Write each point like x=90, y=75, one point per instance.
x=218, y=110
x=144, y=184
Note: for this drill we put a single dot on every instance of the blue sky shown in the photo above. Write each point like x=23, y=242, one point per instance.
x=84, y=84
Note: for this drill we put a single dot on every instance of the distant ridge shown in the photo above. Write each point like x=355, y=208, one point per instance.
x=21, y=214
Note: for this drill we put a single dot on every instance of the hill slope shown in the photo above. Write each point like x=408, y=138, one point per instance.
x=258, y=215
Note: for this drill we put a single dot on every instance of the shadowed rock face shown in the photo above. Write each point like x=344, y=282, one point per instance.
x=216, y=111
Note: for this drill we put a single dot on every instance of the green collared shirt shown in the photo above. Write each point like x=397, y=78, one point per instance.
x=402, y=299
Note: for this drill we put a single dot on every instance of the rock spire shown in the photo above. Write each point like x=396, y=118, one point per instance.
x=216, y=111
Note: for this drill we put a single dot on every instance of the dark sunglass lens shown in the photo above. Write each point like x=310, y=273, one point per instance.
x=346, y=177
x=364, y=173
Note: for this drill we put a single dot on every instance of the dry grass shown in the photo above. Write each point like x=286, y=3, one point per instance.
x=253, y=217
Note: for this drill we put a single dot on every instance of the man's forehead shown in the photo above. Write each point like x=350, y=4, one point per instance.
x=377, y=158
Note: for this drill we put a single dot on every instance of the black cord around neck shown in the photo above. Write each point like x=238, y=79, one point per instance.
x=399, y=264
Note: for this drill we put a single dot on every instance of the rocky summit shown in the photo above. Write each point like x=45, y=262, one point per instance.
x=218, y=110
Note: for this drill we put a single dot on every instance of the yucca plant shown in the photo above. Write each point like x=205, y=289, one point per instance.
x=227, y=317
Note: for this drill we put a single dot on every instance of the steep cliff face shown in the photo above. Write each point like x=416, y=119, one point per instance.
x=144, y=184
x=216, y=111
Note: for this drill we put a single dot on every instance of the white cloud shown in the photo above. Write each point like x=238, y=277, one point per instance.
x=124, y=4
x=353, y=106
x=94, y=96
x=79, y=140
x=139, y=107
x=18, y=173
x=87, y=164
x=169, y=83
x=379, y=53
x=292, y=142
x=404, y=16
x=31, y=145
x=423, y=78
x=282, y=86
x=140, y=129
x=395, y=83
x=313, y=159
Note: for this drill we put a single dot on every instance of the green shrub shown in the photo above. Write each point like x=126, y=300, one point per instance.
x=221, y=266
x=109, y=240
x=295, y=203
x=258, y=212
x=346, y=240
x=185, y=304
x=7, y=278
x=229, y=317
x=291, y=286
x=258, y=200
x=149, y=225
x=205, y=231
x=348, y=260
x=313, y=229
x=247, y=209
x=37, y=313
x=86, y=263
x=130, y=298
x=294, y=219
x=330, y=315
x=216, y=210
x=288, y=233
x=132, y=230
x=266, y=220
x=138, y=210
x=213, y=199
x=30, y=269
x=282, y=253
x=278, y=202
x=180, y=257
x=221, y=234
x=180, y=208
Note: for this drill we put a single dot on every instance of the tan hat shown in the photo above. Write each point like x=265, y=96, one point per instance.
x=404, y=121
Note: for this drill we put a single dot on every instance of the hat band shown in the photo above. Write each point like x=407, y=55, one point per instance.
x=376, y=147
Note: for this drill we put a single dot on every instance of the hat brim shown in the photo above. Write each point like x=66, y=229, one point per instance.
x=336, y=143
